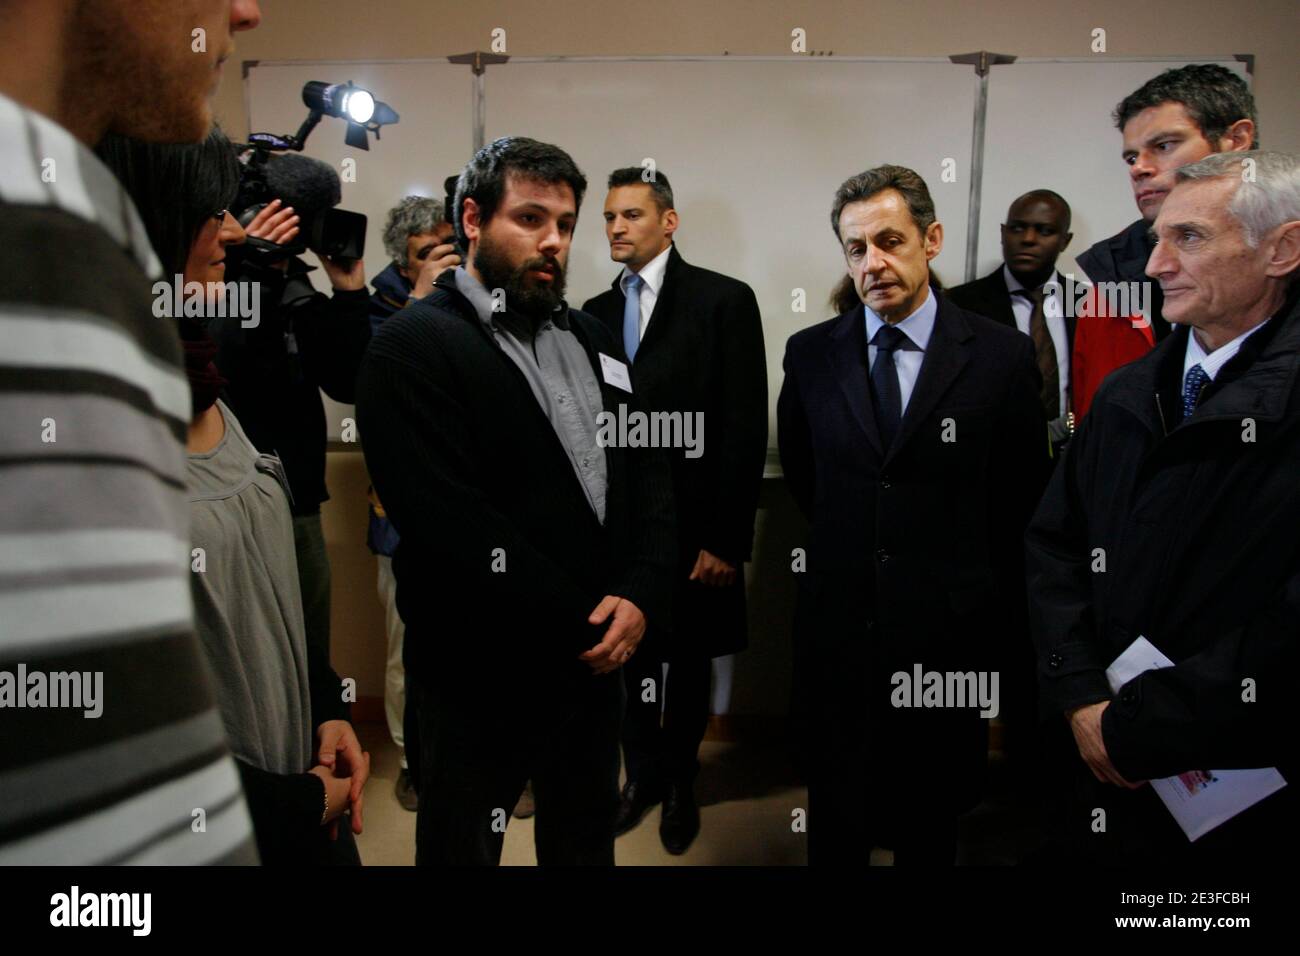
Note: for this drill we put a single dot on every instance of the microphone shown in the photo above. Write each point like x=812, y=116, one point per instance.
x=313, y=189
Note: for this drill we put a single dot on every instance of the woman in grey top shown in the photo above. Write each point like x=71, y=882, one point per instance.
x=298, y=756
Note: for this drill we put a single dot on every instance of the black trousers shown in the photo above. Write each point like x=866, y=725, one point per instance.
x=658, y=754
x=847, y=817
x=897, y=779
x=474, y=755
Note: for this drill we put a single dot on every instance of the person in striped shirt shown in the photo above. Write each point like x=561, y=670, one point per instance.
x=94, y=405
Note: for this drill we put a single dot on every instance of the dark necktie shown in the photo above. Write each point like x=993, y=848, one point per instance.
x=885, y=392
x=1196, y=380
x=1045, y=351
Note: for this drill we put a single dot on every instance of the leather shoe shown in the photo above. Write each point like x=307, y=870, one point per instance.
x=680, y=823
x=526, y=806
x=405, y=792
x=636, y=802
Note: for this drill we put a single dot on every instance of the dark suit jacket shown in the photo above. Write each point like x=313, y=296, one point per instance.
x=990, y=297
x=1198, y=530
x=703, y=352
x=466, y=463
x=913, y=557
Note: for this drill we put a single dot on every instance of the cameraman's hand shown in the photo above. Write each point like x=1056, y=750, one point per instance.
x=274, y=223
x=345, y=274
x=440, y=260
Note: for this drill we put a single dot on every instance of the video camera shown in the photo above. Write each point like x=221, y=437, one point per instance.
x=273, y=167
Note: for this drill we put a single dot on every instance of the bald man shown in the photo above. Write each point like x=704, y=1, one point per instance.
x=1035, y=234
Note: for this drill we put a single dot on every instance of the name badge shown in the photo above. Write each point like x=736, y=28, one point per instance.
x=615, y=373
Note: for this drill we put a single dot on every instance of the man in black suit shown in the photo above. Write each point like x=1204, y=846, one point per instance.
x=695, y=339
x=912, y=436
x=532, y=555
x=1027, y=293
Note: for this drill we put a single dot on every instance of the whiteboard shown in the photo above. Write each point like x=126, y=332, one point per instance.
x=432, y=141
x=1049, y=126
x=754, y=147
x=754, y=150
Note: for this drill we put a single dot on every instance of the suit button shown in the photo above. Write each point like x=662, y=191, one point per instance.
x=1054, y=661
x=1126, y=697
x=882, y=555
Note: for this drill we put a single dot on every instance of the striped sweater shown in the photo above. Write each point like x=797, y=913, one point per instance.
x=94, y=535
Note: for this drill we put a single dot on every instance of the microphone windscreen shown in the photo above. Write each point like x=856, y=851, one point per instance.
x=309, y=185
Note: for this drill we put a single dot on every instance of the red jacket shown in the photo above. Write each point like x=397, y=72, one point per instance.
x=1102, y=343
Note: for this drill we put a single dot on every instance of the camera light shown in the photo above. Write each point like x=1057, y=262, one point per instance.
x=359, y=105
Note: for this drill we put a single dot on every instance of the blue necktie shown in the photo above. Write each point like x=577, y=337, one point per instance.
x=884, y=382
x=632, y=316
x=1192, y=385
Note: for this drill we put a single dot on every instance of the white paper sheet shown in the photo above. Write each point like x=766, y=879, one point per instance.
x=1200, y=800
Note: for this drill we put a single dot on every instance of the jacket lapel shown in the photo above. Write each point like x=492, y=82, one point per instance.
x=665, y=302
x=1001, y=295
x=613, y=318
x=945, y=356
x=1131, y=251
x=1261, y=392
x=848, y=363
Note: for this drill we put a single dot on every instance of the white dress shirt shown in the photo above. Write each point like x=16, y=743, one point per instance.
x=918, y=326
x=1023, y=309
x=652, y=281
x=1211, y=362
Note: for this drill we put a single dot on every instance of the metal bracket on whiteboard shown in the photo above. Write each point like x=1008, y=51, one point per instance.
x=478, y=62
x=981, y=60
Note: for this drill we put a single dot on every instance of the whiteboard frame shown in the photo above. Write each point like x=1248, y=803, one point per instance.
x=981, y=63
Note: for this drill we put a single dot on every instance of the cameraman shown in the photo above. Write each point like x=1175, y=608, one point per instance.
x=302, y=342
x=421, y=243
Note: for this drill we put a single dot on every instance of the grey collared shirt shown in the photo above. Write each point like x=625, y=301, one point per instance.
x=557, y=369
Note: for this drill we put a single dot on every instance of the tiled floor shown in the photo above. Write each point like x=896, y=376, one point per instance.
x=748, y=796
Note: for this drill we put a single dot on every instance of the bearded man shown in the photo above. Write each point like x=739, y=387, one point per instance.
x=531, y=555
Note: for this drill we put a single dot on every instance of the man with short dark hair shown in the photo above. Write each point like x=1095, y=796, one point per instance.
x=912, y=436
x=94, y=536
x=695, y=341
x=532, y=554
x=1178, y=117
x=1170, y=530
